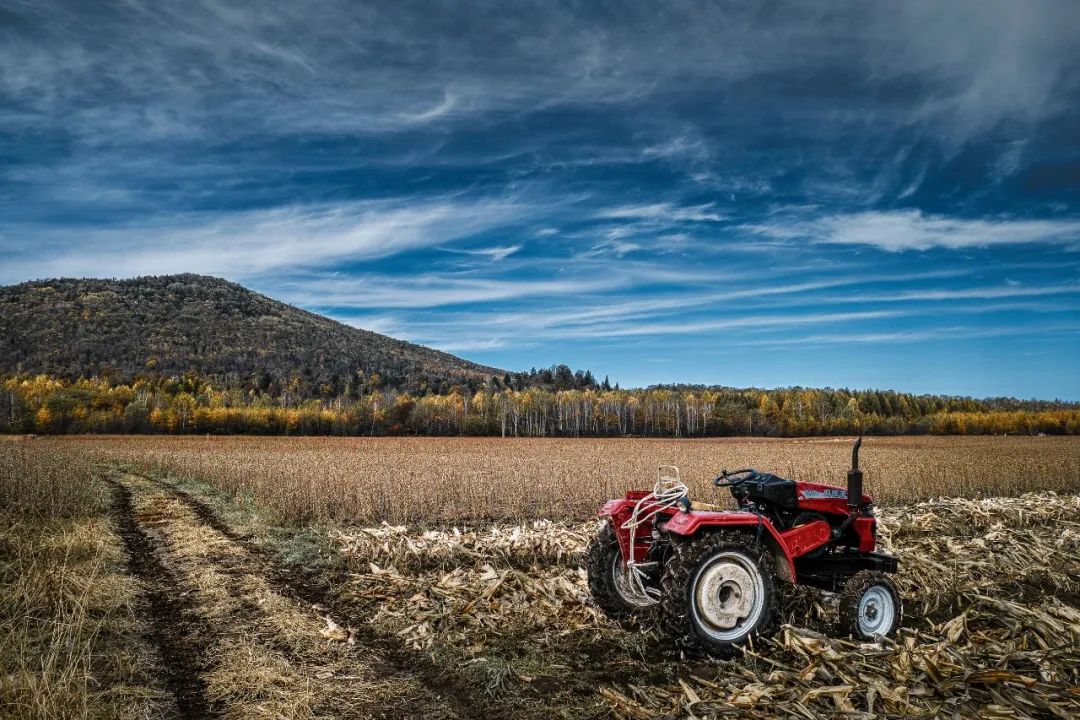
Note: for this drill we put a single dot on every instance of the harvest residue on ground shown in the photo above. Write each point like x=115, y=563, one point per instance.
x=292, y=608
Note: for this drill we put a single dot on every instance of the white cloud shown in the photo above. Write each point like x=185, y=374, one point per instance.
x=572, y=306
x=454, y=346
x=613, y=246
x=912, y=230
x=664, y=212
x=979, y=293
x=382, y=324
x=449, y=102
x=462, y=331
x=679, y=147
x=683, y=327
x=949, y=296
x=428, y=290
x=983, y=63
x=249, y=243
x=637, y=227
x=957, y=332
x=492, y=253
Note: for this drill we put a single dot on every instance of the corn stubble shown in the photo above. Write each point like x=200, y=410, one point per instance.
x=992, y=629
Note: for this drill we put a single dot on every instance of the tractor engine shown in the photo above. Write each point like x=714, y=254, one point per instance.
x=789, y=504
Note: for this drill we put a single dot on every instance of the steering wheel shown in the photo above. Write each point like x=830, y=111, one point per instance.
x=731, y=478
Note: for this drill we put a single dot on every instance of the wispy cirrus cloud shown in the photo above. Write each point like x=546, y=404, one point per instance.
x=451, y=100
x=755, y=322
x=897, y=231
x=492, y=253
x=472, y=345
x=664, y=213
x=954, y=299
x=427, y=290
x=907, y=337
x=245, y=244
x=775, y=310
x=603, y=311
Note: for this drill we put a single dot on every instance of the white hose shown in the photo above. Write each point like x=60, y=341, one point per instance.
x=667, y=492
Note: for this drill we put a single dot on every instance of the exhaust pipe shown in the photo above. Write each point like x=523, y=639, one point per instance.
x=854, y=478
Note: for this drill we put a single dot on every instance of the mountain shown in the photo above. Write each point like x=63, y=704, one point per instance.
x=177, y=324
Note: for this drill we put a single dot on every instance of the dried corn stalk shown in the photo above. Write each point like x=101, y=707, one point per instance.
x=990, y=587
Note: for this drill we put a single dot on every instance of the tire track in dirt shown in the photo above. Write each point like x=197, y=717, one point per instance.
x=168, y=612
x=442, y=688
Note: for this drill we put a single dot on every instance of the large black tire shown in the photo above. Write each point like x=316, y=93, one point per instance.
x=727, y=561
x=870, y=606
x=603, y=564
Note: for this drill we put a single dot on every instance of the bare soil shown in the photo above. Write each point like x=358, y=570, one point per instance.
x=173, y=629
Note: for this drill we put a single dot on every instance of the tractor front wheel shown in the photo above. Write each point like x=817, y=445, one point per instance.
x=719, y=591
x=609, y=579
x=870, y=606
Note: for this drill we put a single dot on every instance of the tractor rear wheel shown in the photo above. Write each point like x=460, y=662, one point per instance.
x=719, y=591
x=870, y=606
x=609, y=579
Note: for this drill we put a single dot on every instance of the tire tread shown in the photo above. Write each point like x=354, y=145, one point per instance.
x=687, y=555
x=852, y=593
x=598, y=559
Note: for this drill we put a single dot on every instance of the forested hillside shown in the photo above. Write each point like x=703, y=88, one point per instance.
x=186, y=353
x=174, y=325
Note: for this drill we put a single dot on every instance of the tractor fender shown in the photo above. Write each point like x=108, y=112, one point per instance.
x=617, y=512
x=687, y=524
x=625, y=504
x=614, y=507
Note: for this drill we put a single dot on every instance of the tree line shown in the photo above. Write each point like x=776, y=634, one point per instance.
x=567, y=407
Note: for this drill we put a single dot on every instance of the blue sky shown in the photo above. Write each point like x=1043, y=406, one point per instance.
x=769, y=194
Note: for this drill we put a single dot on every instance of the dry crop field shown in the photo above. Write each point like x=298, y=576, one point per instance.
x=304, y=578
x=439, y=480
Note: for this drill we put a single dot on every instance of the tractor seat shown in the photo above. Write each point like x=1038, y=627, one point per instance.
x=766, y=487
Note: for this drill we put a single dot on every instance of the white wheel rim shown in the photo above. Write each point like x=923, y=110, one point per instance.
x=877, y=611
x=727, y=596
x=624, y=584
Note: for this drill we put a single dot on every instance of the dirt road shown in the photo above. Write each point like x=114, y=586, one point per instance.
x=238, y=637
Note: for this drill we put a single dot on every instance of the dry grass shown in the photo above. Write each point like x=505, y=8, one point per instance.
x=44, y=479
x=439, y=480
x=69, y=632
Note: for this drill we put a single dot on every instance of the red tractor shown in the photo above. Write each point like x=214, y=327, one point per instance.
x=714, y=572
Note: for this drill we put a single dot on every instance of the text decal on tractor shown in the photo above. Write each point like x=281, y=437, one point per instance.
x=713, y=572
